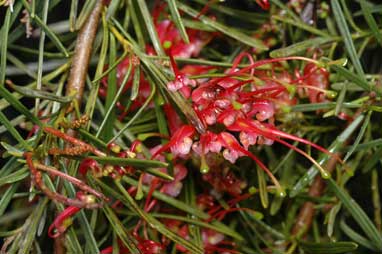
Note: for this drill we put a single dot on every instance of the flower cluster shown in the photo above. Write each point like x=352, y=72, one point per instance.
x=238, y=110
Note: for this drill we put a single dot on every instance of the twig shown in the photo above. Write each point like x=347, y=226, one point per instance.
x=82, y=53
x=305, y=216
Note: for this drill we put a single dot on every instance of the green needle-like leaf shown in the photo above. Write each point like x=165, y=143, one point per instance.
x=32, y=93
x=120, y=230
x=231, y=32
x=4, y=43
x=155, y=223
x=299, y=47
x=358, y=214
x=177, y=20
x=14, y=177
x=18, y=106
x=328, y=248
x=359, y=137
x=366, y=10
x=349, y=45
x=334, y=147
x=12, y=130
x=138, y=163
x=150, y=27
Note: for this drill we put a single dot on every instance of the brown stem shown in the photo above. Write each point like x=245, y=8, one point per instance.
x=80, y=184
x=307, y=211
x=59, y=245
x=305, y=217
x=74, y=141
x=82, y=53
x=38, y=181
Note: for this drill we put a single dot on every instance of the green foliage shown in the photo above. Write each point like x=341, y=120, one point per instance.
x=126, y=96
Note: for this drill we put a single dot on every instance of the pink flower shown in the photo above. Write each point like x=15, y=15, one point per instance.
x=62, y=221
x=181, y=82
x=263, y=109
x=315, y=81
x=233, y=149
x=149, y=247
x=169, y=37
x=174, y=187
x=180, y=143
x=208, y=142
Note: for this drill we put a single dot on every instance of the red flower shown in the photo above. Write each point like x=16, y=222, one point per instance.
x=180, y=143
x=181, y=82
x=170, y=38
x=62, y=221
x=149, y=247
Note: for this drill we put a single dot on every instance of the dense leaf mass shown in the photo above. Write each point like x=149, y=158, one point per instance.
x=196, y=126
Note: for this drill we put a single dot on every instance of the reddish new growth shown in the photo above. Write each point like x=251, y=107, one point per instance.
x=64, y=219
x=79, y=201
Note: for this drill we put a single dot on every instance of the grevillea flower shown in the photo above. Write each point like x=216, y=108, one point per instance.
x=150, y=247
x=171, y=188
x=62, y=221
x=181, y=81
x=246, y=108
x=91, y=164
x=180, y=143
x=263, y=4
x=224, y=181
x=314, y=83
x=169, y=37
x=208, y=142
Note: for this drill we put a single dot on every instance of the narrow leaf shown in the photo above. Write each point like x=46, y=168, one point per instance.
x=353, y=235
x=128, y=200
x=138, y=163
x=84, y=14
x=231, y=32
x=359, y=137
x=366, y=10
x=17, y=105
x=298, y=47
x=357, y=213
x=328, y=248
x=147, y=17
x=169, y=200
x=33, y=93
x=12, y=130
x=120, y=230
x=177, y=20
x=4, y=43
x=7, y=197
x=355, y=78
x=14, y=177
x=47, y=30
x=335, y=146
x=349, y=45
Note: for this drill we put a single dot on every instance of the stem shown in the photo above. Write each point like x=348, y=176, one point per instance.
x=305, y=217
x=38, y=181
x=82, y=53
x=80, y=184
x=73, y=141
